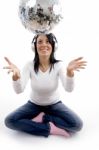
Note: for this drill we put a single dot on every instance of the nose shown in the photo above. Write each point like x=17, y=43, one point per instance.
x=44, y=44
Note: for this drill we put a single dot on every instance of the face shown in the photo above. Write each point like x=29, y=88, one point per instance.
x=44, y=48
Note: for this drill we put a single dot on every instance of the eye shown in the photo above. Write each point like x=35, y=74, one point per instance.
x=47, y=41
x=39, y=42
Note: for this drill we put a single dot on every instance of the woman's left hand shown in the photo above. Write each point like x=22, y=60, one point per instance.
x=75, y=65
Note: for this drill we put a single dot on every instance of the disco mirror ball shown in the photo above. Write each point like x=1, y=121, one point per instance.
x=40, y=15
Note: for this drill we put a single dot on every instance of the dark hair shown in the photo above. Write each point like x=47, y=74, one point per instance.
x=52, y=40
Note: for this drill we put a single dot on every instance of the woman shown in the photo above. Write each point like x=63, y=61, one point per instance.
x=44, y=113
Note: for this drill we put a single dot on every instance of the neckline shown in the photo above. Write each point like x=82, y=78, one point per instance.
x=44, y=71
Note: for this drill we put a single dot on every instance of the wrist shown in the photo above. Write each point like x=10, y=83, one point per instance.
x=70, y=73
x=14, y=78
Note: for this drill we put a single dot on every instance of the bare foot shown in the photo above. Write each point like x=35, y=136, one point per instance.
x=39, y=117
x=58, y=131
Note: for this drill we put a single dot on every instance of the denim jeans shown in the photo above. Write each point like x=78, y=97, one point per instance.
x=59, y=114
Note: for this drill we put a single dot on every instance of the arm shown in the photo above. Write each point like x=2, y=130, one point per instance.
x=20, y=84
x=67, y=81
x=19, y=79
x=67, y=77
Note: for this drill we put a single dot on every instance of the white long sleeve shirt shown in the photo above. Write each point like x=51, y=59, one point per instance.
x=44, y=85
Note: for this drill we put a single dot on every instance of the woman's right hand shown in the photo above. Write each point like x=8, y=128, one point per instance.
x=12, y=68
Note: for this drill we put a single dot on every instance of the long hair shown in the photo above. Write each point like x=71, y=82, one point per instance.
x=52, y=40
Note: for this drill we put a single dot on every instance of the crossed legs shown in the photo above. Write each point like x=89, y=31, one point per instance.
x=38, y=120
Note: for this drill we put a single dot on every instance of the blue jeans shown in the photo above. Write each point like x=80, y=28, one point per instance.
x=59, y=114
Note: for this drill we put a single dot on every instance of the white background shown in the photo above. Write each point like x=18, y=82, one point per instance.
x=78, y=35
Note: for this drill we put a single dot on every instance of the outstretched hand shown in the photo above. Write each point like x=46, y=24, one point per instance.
x=12, y=68
x=75, y=65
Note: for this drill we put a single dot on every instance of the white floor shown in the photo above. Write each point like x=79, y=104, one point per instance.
x=88, y=137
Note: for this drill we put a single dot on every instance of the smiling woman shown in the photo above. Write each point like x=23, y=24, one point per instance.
x=44, y=113
x=44, y=48
x=77, y=35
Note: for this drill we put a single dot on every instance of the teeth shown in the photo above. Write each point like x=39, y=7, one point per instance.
x=44, y=49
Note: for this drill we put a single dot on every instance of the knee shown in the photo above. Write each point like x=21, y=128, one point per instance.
x=78, y=125
x=9, y=122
